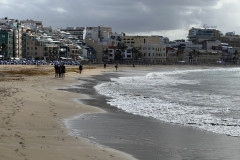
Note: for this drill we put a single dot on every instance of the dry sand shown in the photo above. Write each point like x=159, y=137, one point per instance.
x=32, y=112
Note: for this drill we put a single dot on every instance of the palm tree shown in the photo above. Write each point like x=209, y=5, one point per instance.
x=118, y=55
x=136, y=53
x=105, y=54
x=121, y=47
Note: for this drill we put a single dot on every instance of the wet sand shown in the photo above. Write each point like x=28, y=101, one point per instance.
x=146, y=138
x=32, y=111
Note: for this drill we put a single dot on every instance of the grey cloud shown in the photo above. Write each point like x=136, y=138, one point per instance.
x=131, y=16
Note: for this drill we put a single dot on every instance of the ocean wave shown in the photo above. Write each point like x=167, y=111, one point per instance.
x=154, y=95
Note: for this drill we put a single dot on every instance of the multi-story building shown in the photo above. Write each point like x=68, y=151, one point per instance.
x=39, y=48
x=34, y=26
x=97, y=53
x=75, y=31
x=6, y=44
x=98, y=34
x=152, y=47
x=211, y=45
x=154, y=53
x=24, y=45
x=230, y=38
x=198, y=35
x=137, y=41
x=15, y=26
x=17, y=42
x=206, y=57
x=92, y=33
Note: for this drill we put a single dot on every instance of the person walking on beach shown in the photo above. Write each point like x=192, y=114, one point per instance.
x=105, y=65
x=116, y=67
x=63, y=70
x=80, y=68
x=57, y=70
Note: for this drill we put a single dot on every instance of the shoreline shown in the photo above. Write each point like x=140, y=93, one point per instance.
x=32, y=110
x=166, y=141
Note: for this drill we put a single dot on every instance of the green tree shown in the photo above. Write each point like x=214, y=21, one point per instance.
x=105, y=54
x=136, y=53
x=121, y=47
x=118, y=55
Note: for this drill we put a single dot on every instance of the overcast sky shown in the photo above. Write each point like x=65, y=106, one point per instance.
x=171, y=18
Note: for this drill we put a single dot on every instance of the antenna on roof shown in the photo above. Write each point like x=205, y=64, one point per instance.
x=205, y=26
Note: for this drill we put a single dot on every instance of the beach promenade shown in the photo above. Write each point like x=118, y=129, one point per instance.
x=32, y=111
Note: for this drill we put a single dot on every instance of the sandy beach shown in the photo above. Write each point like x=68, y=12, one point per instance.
x=34, y=106
x=32, y=112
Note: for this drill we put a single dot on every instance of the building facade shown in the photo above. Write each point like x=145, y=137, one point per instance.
x=98, y=34
x=198, y=35
x=75, y=31
x=154, y=53
x=137, y=41
x=232, y=39
x=6, y=44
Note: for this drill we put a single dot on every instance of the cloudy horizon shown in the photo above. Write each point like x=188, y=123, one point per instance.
x=171, y=18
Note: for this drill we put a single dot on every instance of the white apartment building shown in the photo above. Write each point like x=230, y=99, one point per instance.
x=92, y=33
x=154, y=53
x=126, y=54
x=98, y=34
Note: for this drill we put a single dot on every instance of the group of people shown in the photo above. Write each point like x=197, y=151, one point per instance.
x=60, y=70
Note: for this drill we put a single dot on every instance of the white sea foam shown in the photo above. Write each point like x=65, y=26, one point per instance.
x=157, y=95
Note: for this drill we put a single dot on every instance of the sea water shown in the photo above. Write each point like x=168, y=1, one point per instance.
x=208, y=99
